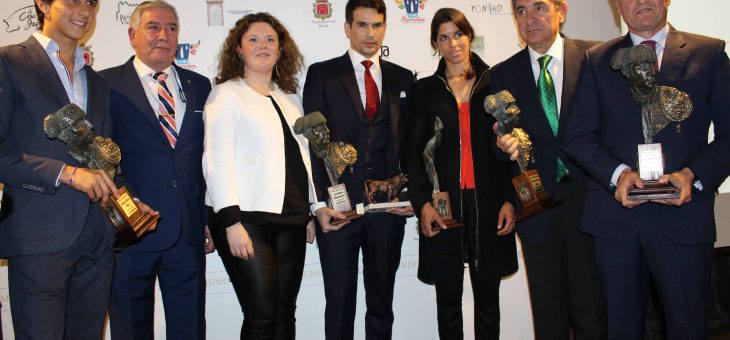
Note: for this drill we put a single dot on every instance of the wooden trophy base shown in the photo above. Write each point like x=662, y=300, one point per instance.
x=653, y=190
x=129, y=220
x=349, y=216
x=442, y=204
x=534, y=199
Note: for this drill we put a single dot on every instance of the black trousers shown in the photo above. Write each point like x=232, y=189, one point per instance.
x=561, y=270
x=267, y=285
x=486, y=309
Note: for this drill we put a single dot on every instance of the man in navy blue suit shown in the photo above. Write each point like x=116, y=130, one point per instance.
x=54, y=235
x=364, y=100
x=669, y=240
x=561, y=268
x=157, y=109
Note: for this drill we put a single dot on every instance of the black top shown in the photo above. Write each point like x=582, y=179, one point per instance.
x=295, y=210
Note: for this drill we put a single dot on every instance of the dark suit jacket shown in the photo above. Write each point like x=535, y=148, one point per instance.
x=515, y=75
x=42, y=218
x=605, y=128
x=168, y=180
x=331, y=88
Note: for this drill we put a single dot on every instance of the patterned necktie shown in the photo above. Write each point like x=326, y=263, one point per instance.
x=372, y=98
x=546, y=88
x=166, y=108
x=652, y=44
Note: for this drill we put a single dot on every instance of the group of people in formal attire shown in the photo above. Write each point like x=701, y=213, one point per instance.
x=224, y=168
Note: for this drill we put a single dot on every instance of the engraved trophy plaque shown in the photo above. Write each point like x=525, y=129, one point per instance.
x=336, y=157
x=660, y=106
x=439, y=199
x=70, y=126
x=528, y=185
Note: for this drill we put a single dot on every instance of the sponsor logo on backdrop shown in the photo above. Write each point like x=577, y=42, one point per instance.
x=124, y=11
x=184, y=52
x=384, y=51
x=88, y=55
x=322, y=10
x=215, y=12
x=477, y=45
x=21, y=19
x=411, y=7
x=492, y=8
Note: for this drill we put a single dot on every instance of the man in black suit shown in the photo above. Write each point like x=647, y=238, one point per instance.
x=55, y=237
x=175, y=253
x=559, y=258
x=366, y=107
x=670, y=240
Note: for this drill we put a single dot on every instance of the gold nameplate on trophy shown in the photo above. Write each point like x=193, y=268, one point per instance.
x=129, y=220
x=533, y=197
x=442, y=204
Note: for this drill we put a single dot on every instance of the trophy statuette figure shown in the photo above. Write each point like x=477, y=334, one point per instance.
x=533, y=197
x=440, y=199
x=660, y=106
x=69, y=125
x=337, y=156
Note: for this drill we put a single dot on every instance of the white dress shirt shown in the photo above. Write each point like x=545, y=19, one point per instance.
x=375, y=71
x=555, y=67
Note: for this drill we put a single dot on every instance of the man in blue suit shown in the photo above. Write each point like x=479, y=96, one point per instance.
x=157, y=109
x=54, y=235
x=561, y=269
x=366, y=107
x=670, y=240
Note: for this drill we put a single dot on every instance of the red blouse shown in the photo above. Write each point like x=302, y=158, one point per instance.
x=467, y=163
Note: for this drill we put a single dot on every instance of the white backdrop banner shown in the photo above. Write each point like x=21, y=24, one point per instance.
x=317, y=27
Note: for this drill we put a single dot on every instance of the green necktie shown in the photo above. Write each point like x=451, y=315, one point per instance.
x=546, y=87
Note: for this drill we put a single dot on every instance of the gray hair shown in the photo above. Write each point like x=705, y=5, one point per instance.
x=137, y=13
x=555, y=2
x=309, y=121
x=625, y=57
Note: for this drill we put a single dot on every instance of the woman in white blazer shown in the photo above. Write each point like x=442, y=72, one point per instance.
x=258, y=173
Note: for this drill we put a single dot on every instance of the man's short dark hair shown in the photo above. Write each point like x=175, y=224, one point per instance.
x=377, y=5
x=39, y=14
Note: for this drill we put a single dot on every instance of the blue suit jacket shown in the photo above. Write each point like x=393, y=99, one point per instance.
x=168, y=180
x=515, y=75
x=42, y=218
x=605, y=128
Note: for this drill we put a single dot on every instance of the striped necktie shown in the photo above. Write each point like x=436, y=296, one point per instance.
x=166, y=108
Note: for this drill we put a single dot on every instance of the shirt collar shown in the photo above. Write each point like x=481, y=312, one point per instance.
x=555, y=51
x=51, y=48
x=660, y=37
x=357, y=59
x=145, y=71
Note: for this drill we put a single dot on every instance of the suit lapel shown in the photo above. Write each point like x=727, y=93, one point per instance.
x=131, y=86
x=572, y=59
x=390, y=93
x=674, y=61
x=39, y=59
x=190, y=105
x=97, y=99
x=349, y=81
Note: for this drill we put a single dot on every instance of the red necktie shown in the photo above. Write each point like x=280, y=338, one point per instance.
x=372, y=98
x=652, y=44
x=166, y=108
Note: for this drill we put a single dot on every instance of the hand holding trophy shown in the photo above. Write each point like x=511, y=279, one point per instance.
x=70, y=126
x=660, y=105
x=528, y=185
x=336, y=157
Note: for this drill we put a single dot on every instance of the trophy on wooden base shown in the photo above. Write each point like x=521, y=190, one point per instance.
x=660, y=105
x=70, y=126
x=439, y=199
x=533, y=197
x=336, y=157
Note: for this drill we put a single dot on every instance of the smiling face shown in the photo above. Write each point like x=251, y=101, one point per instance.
x=538, y=22
x=366, y=32
x=67, y=21
x=452, y=43
x=259, y=48
x=644, y=17
x=155, y=40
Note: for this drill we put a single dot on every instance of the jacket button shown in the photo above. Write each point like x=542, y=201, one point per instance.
x=174, y=184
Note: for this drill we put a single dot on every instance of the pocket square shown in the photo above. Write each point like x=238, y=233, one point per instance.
x=402, y=94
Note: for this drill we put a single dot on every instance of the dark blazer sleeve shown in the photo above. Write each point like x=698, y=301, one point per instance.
x=418, y=132
x=21, y=169
x=712, y=165
x=313, y=99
